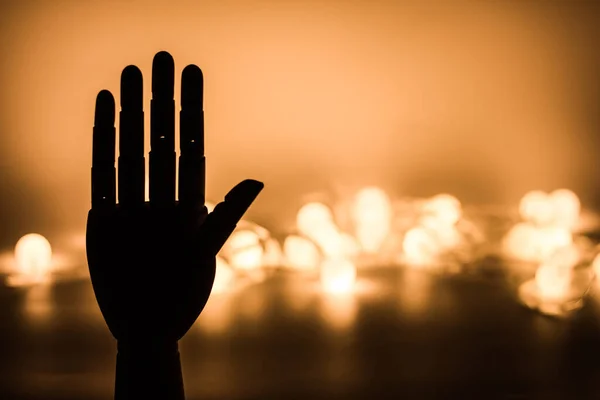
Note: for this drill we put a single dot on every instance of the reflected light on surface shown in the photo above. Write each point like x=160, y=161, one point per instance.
x=245, y=250
x=39, y=305
x=558, y=285
x=224, y=277
x=33, y=260
x=339, y=311
x=338, y=275
x=372, y=215
x=300, y=253
x=415, y=291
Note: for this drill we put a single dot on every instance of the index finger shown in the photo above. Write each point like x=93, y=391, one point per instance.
x=103, y=151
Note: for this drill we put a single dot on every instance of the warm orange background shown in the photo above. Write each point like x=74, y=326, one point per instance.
x=485, y=100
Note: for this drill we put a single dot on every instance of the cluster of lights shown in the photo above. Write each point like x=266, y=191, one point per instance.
x=543, y=236
x=435, y=233
x=548, y=221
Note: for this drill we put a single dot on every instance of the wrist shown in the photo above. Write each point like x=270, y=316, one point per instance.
x=148, y=370
x=147, y=349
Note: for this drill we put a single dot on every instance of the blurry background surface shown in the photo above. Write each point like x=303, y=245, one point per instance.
x=485, y=100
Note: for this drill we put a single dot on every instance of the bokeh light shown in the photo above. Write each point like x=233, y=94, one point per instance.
x=372, y=215
x=420, y=247
x=224, y=277
x=244, y=250
x=338, y=275
x=33, y=257
x=553, y=281
x=301, y=253
x=443, y=208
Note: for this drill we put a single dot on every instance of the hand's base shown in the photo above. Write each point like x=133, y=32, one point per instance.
x=149, y=372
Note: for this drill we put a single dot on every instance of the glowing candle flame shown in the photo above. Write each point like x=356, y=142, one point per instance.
x=300, y=253
x=245, y=250
x=372, y=213
x=33, y=256
x=338, y=275
x=223, y=277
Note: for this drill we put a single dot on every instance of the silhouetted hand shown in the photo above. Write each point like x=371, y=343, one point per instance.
x=152, y=264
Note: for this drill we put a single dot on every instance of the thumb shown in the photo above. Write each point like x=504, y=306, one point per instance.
x=220, y=223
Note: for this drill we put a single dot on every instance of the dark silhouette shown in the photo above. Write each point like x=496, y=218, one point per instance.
x=152, y=264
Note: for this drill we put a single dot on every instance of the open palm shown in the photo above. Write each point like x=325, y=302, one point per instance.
x=152, y=264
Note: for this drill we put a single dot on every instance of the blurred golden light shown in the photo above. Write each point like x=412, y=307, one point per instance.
x=444, y=208
x=300, y=253
x=446, y=235
x=553, y=281
x=315, y=221
x=566, y=256
x=521, y=242
x=338, y=275
x=312, y=217
x=224, y=276
x=536, y=207
x=560, y=208
x=349, y=245
x=529, y=242
x=339, y=311
x=567, y=208
x=245, y=250
x=596, y=268
x=420, y=247
x=372, y=215
x=272, y=254
x=33, y=258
